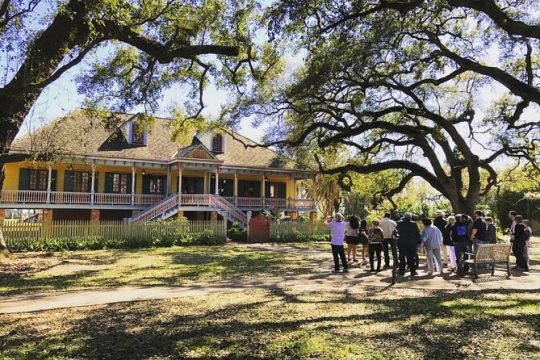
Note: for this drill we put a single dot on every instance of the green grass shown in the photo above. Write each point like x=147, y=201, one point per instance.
x=281, y=324
x=27, y=273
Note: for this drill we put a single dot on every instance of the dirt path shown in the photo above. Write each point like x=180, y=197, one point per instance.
x=319, y=279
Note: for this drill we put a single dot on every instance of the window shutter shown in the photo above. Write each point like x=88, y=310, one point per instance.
x=281, y=190
x=108, y=182
x=199, y=185
x=146, y=184
x=128, y=190
x=53, y=180
x=96, y=182
x=24, y=179
x=267, y=189
x=68, y=181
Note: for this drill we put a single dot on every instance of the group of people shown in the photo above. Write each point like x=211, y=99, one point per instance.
x=457, y=234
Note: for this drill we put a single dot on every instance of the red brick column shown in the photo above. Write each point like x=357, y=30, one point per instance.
x=213, y=216
x=47, y=215
x=294, y=215
x=2, y=216
x=94, y=215
x=313, y=217
x=180, y=215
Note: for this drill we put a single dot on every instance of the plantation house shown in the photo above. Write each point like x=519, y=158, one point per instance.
x=140, y=172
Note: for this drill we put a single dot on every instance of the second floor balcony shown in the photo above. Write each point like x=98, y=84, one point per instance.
x=42, y=199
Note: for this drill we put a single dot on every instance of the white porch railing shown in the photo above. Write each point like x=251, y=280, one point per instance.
x=23, y=196
x=250, y=202
x=63, y=197
x=112, y=199
x=80, y=198
x=148, y=199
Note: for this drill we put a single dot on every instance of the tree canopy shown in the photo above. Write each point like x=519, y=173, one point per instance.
x=438, y=89
x=133, y=51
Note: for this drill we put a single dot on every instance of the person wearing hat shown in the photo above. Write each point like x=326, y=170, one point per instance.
x=337, y=235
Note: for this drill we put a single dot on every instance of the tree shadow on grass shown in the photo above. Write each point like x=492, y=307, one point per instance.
x=439, y=325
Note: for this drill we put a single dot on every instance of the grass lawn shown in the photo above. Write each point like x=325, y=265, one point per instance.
x=27, y=273
x=281, y=324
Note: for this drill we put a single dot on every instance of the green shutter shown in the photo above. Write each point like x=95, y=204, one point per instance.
x=68, y=181
x=53, y=180
x=199, y=185
x=24, y=179
x=267, y=189
x=256, y=188
x=228, y=188
x=96, y=182
x=108, y=182
x=128, y=190
x=146, y=184
x=281, y=190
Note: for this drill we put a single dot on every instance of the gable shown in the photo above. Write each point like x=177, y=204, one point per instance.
x=198, y=151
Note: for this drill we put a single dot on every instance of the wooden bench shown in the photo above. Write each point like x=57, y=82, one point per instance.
x=489, y=254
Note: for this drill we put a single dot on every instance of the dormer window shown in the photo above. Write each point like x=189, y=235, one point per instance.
x=217, y=143
x=137, y=134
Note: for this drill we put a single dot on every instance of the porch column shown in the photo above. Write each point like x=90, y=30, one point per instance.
x=179, y=185
x=217, y=182
x=205, y=187
x=263, y=191
x=49, y=179
x=168, y=185
x=132, y=185
x=93, y=185
x=235, y=189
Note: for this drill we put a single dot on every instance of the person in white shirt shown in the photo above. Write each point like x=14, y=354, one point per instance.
x=388, y=226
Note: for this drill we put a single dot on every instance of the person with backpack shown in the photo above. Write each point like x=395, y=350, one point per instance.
x=375, y=238
x=352, y=230
x=460, y=238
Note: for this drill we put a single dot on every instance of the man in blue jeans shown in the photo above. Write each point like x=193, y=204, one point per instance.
x=409, y=238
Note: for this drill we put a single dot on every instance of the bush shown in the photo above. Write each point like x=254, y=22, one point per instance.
x=236, y=233
x=299, y=237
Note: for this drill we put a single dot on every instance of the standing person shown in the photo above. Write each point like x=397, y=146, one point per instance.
x=528, y=233
x=375, y=238
x=432, y=239
x=449, y=244
x=512, y=216
x=352, y=230
x=337, y=235
x=440, y=223
x=478, y=231
x=491, y=231
x=460, y=238
x=518, y=247
x=409, y=238
x=363, y=235
x=388, y=226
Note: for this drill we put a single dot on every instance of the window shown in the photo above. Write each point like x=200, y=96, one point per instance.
x=137, y=134
x=156, y=185
x=120, y=183
x=38, y=179
x=81, y=181
x=217, y=143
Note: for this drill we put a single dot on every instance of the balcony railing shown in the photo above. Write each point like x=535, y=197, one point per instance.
x=83, y=198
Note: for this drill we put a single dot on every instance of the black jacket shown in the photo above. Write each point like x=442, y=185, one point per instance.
x=408, y=232
x=440, y=223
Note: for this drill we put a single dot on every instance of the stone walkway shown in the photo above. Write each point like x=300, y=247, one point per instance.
x=319, y=279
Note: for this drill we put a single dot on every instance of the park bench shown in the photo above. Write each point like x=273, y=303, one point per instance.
x=489, y=254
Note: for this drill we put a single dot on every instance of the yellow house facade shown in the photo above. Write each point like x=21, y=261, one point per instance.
x=139, y=172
